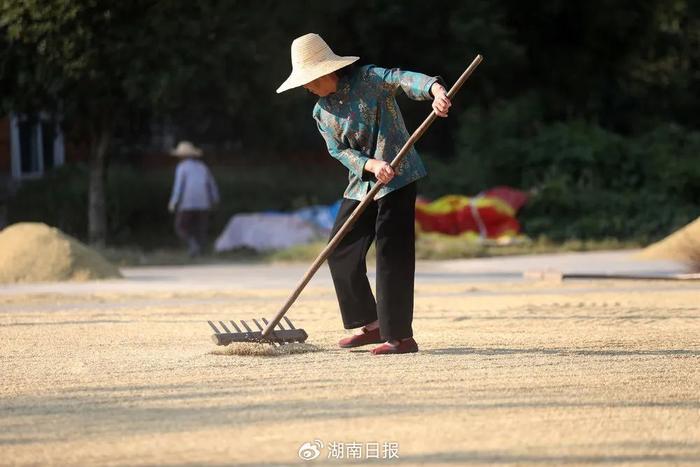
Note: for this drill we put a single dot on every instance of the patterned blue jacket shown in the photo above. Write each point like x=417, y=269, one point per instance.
x=362, y=120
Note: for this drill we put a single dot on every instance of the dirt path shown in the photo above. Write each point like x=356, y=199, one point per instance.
x=509, y=373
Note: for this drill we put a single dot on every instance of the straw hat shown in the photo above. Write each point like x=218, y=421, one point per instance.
x=311, y=59
x=186, y=149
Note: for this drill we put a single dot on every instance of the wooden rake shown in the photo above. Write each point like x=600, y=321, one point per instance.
x=273, y=332
x=278, y=336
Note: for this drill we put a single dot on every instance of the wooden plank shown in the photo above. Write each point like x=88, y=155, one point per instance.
x=558, y=276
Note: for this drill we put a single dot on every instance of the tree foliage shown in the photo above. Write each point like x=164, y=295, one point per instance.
x=212, y=66
x=559, y=79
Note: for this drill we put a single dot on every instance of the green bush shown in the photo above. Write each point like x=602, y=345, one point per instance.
x=58, y=199
x=586, y=182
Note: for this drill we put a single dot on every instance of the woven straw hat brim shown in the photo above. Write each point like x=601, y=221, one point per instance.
x=186, y=149
x=302, y=76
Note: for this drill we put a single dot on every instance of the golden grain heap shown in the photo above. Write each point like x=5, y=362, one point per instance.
x=35, y=252
x=682, y=245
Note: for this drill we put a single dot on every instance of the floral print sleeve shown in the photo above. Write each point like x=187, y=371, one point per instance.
x=415, y=85
x=353, y=159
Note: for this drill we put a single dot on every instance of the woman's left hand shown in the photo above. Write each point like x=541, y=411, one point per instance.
x=380, y=169
x=441, y=103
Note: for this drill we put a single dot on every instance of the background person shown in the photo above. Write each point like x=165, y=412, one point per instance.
x=194, y=194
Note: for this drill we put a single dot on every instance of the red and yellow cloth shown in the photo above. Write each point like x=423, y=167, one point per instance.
x=489, y=215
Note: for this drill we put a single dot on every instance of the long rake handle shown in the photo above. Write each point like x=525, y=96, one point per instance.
x=369, y=197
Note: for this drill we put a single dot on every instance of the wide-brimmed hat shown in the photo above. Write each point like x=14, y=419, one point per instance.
x=186, y=149
x=311, y=59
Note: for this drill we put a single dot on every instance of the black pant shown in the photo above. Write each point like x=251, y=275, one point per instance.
x=389, y=220
x=191, y=227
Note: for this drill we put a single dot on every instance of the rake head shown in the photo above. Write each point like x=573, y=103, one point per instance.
x=279, y=336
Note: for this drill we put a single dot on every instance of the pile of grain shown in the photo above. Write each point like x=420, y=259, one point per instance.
x=252, y=349
x=682, y=245
x=35, y=252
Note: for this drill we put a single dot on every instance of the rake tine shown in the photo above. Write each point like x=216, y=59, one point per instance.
x=279, y=325
x=214, y=327
x=235, y=326
x=257, y=324
x=265, y=321
x=289, y=323
x=224, y=326
x=275, y=343
x=245, y=325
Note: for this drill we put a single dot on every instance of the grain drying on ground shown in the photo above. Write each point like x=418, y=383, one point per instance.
x=522, y=373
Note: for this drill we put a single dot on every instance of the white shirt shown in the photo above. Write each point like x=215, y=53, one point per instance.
x=194, y=187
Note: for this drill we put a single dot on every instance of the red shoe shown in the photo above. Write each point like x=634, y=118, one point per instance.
x=405, y=346
x=367, y=337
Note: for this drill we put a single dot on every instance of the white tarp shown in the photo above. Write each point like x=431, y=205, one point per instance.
x=265, y=231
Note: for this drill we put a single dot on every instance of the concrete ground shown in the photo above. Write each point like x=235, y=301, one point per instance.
x=511, y=371
x=285, y=275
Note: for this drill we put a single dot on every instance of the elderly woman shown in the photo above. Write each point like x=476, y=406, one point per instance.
x=360, y=121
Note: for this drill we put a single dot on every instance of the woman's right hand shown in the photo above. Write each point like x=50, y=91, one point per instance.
x=382, y=170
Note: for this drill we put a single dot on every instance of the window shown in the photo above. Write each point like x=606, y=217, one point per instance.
x=36, y=144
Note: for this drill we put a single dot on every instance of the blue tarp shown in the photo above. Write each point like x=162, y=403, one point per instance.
x=319, y=215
